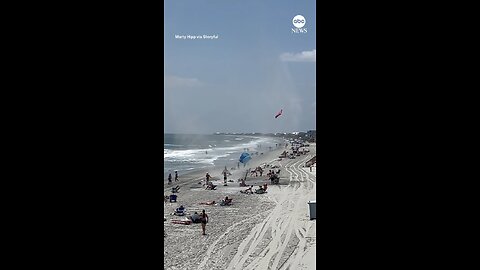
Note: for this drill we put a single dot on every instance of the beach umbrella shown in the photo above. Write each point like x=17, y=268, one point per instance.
x=279, y=113
x=244, y=158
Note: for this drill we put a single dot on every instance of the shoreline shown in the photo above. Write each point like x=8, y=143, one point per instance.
x=231, y=158
x=196, y=175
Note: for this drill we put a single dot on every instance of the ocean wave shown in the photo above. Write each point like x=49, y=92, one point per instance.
x=174, y=145
x=197, y=158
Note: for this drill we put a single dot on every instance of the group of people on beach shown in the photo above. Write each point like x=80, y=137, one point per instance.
x=203, y=217
x=195, y=218
x=180, y=211
x=256, y=172
x=170, y=177
x=260, y=190
x=208, y=184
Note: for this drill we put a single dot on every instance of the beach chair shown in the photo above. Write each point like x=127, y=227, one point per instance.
x=175, y=189
x=180, y=212
x=173, y=198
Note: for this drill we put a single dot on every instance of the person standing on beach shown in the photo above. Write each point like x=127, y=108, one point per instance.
x=176, y=176
x=169, y=178
x=225, y=178
x=207, y=177
x=204, y=219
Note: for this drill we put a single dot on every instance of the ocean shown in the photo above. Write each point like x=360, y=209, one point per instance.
x=189, y=152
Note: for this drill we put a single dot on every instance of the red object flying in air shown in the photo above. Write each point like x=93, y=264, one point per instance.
x=278, y=114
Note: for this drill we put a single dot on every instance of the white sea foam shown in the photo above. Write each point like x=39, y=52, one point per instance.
x=197, y=158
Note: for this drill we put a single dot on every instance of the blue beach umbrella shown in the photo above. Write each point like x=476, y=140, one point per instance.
x=244, y=158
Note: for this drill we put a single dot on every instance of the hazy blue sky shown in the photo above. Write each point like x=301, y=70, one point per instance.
x=238, y=82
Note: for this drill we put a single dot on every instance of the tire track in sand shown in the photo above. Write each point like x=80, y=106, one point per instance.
x=214, y=245
x=272, y=253
x=301, y=224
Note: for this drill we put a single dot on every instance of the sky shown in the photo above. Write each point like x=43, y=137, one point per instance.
x=238, y=81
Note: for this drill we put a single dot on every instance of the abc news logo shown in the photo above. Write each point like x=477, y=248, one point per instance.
x=299, y=22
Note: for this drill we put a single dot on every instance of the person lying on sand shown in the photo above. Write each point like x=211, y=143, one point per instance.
x=248, y=190
x=208, y=203
x=184, y=222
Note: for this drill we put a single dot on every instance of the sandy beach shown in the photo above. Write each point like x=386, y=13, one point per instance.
x=258, y=231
